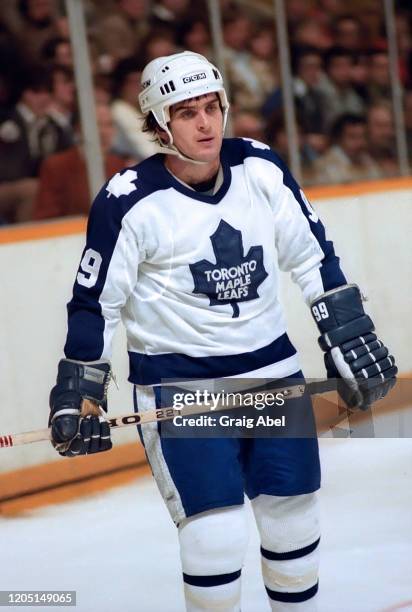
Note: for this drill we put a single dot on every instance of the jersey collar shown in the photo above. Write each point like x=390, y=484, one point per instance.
x=171, y=181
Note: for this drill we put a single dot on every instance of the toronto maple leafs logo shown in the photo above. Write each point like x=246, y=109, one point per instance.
x=122, y=184
x=234, y=278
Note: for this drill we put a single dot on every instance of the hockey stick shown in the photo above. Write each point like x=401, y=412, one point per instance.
x=164, y=414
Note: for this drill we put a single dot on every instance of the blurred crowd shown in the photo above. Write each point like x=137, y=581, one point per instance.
x=341, y=85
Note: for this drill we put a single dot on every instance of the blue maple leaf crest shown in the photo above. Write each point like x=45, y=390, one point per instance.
x=234, y=278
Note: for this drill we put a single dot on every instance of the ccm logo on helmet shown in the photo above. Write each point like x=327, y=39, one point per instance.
x=194, y=77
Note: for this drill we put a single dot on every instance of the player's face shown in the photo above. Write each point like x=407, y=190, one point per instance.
x=197, y=127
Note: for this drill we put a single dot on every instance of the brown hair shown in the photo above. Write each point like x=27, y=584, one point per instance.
x=150, y=125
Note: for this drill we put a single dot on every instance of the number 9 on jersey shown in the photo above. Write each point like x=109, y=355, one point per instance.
x=89, y=268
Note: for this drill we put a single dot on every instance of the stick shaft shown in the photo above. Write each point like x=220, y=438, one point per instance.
x=164, y=414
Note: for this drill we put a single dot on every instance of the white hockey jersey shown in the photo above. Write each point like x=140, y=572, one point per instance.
x=194, y=277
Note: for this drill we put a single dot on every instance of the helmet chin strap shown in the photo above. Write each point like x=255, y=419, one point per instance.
x=171, y=149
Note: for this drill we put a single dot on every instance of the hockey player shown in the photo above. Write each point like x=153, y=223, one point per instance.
x=163, y=240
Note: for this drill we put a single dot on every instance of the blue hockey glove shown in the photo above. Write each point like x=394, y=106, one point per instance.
x=353, y=354
x=73, y=434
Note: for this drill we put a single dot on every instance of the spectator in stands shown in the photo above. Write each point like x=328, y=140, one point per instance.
x=34, y=23
x=119, y=33
x=195, y=36
x=408, y=122
x=102, y=89
x=157, y=44
x=309, y=99
x=310, y=33
x=359, y=76
x=263, y=61
x=381, y=138
x=348, y=33
x=6, y=92
x=336, y=85
x=329, y=10
x=62, y=23
x=169, y=13
x=130, y=140
x=237, y=30
x=297, y=12
x=277, y=137
x=324, y=12
x=404, y=40
x=58, y=51
x=378, y=83
x=27, y=136
x=63, y=101
x=348, y=158
x=248, y=125
x=12, y=71
x=63, y=184
x=252, y=69
x=371, y=17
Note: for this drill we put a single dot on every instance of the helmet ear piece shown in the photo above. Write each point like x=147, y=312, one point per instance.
x=164, y=135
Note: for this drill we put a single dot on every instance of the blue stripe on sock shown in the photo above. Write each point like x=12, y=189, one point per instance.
x=210, y=581
x=293, y=597
x=292, y=554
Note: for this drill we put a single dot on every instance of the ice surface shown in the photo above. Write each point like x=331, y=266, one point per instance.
x=118, y=550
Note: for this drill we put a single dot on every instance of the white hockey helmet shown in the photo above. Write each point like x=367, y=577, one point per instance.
x=173, y=78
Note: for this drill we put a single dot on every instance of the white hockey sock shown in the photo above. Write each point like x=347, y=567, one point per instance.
x=212, y=548
x=289, y=531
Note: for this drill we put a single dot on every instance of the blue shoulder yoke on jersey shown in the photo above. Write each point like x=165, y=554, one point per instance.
x=331, y=273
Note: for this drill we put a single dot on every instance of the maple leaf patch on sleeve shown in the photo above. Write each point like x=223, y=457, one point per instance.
x=122, y=184
x=234, y=278
x=256, y=144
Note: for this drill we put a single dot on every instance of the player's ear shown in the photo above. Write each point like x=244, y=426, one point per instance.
x=163, y=135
